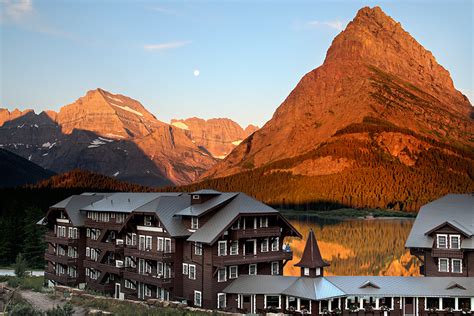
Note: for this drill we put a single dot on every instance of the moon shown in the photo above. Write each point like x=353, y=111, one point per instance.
x=196, y=73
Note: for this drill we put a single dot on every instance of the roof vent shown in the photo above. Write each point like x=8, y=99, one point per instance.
x=129, y=200
x=369, y=284
x=454, y=285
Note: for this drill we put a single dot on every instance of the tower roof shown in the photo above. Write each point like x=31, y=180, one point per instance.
x=311, y=257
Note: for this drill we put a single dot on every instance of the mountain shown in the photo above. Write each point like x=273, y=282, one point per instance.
x=218, y=136
x=105, y=133
x=378, y=124
x=17, y=171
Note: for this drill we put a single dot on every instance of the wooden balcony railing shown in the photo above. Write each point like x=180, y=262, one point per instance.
x=60, y=259
x=96, y=286
x=221, y=261
x=112, y=225
x=103, y=267
x=447, y=253
x=150, y=255
x=151, y=279
x=50, y=237
x=62, y=279
x=103, y=245
x=254, y=233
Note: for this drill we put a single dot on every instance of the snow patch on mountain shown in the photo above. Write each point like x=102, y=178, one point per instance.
x=180, y=125
x=126, y=108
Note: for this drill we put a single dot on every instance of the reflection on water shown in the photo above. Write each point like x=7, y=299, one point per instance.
x=356, y=247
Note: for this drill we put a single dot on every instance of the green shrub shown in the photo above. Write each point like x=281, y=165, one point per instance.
x=21, y=309
x=66, y=310
x=13, y=282
x=20, y=266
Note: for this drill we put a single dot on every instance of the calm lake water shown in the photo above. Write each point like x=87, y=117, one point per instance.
x=356, y=247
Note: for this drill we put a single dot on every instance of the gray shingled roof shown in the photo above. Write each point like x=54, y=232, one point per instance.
x=240, y=204
x=73, y=204
x=209, y=205
x=206, y=191
x=337, y=286
x=454, y=208
x=165, y=208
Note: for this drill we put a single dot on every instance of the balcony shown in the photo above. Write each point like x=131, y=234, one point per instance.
x=103, y=267
x=150, y=255
x=63, y=279
x=151, y=279
x=103, y=225
x=254, y=233
x=103, y=245
x=50, y=237
x=60, y=259
x=447, y=253
x=94, y=285
x=221, y=261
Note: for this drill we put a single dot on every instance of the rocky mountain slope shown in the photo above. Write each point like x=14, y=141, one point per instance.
x=366, y=128
x=16, y=171
x=218, y=136
x=105, y=133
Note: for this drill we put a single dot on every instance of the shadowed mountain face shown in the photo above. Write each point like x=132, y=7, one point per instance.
x=218, y=136
x=105, y=133
x=379, y=105
x=17, y=171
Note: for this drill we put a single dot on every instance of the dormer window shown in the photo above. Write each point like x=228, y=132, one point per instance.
x=236, y=224
x=455, y=241
x=147, y=220
x=263, y=222
x=194, y=222
x=195, y=197
x=442, y=241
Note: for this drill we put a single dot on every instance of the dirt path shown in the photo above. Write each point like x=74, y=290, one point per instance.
x=43, y=302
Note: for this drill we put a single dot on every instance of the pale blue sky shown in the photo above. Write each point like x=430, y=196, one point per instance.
x=250, y=54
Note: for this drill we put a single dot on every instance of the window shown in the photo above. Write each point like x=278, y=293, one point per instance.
x=141, y=242
x=129, y=285
x=448, y=302
x=275, y=268
x=222, y=275
x=198, y=249
x=194, y=222
x=147, y=220
x=233, y=272
x=134, y=239
x=305, y=271
x=222, y=248
x=234, y=248
x=159, y=268
x=386, y=301
x=72, y=272
x=272, y=301
x=221, y=300
x=88, y=232
x=197, y=298
x=305, y=305
x=318, y=271
x=185, y=269
x=443, y=265
x=161, y=245
x=148, y=243
x=195, y=197
x=168, y=245
x=236, y=224
x=456, y=265
x=264, y=245
x=464, y=303
x=442, y=241
x=275, y=244
x=432, y=303
x=263, y=221
x=455, y=241
x=88, y=252
x=253, y=269
x=192, y=272
x=147, y=290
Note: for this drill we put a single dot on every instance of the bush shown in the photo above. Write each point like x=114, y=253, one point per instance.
x=35, y=283
x=22, y=309
x=20, y=266
x=13, y=282
x=66, y=310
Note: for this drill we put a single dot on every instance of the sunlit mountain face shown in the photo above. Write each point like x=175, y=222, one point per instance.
x=356, y=247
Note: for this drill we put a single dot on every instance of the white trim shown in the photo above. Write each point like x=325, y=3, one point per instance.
x=450, y=241
x=150, y=229
x=256, y=267
x=277, y=272
x=265, y=301
x=225, y=300
x=237, y=272
x=62, y=220
x=437, y=241
x=452, y=265
x=439, y=264
x=306, y=271
x=225, y=275
x=200, y=298
x=219, y=243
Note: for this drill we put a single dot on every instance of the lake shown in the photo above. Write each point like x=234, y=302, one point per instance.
x=356, y=246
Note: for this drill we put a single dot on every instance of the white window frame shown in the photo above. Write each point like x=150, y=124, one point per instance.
x=460, y=265
x=192, y=267
x=219, y=278
x=161, y=244
x=264, y=245
x=231, y=251
x=276, y=242
x=148, y=243
x=264, y=222
x=306, y=271
x=185, y=269
x=451, y=237
x=168, y=245
x=147, y=220
x=265, y=301
x=198, y=248
x=197, y=302
x=219, y=243
x=194, y=222
x=439, y=264
x=318, y=271
x=253, y=265
x=147, y=290
x=231, y=268
x=219, y=295
x=272, y=268
x=437, y=241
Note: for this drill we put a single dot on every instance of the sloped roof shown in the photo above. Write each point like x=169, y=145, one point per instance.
x=206, y=191
x=453, y=208
x=240, y=204
x=322, y=288
x=73, y=204
x=311, y=257
x=454, y=224
x=207, y=206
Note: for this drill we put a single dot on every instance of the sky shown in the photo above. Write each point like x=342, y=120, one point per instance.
x=235, y=59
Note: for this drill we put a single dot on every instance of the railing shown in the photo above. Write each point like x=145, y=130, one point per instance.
x=151, y=279
x=103, y=245
x=52, y=238
x=251, y=258
x=63, y=278
x=103, y=267
x=447, y=253
x=96, y=286
x=112, y=225
x=151, y=255
x=254, y=233
x=60, y=259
